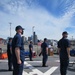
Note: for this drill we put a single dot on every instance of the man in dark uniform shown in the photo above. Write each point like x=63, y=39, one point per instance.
x=9, y=53
x=64, y=53
x=44, y=50
x=30, y=50
x=18, y=52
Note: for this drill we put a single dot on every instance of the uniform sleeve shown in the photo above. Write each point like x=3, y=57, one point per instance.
x=10, y=45
x=67, y=43
x=46, y=45
x=58, y=45
x=30, y=46
x=18, y=41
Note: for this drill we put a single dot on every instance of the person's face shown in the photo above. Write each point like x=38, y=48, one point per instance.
x=65, y=35
x=11, y=40
x=46, y=41
x=31, y=43
x=20, y=31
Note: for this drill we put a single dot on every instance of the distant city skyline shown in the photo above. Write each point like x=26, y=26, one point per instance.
x=49, y=17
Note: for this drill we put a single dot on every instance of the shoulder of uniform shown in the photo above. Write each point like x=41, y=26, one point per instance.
x=66, y=39
x=17, y=35
x=59, y=40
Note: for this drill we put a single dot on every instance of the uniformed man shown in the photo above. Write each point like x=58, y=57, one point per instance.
x=44, y=51
x=30, y=50
x=9, y=53
x=18, y=51
x=64, y=53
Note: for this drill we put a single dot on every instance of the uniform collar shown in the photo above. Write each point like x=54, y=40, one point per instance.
x=64, y=38
x=18, y=34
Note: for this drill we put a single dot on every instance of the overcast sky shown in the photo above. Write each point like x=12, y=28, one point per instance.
x=50, y=17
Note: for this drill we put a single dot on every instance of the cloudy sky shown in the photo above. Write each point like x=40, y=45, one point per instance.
x=50, y=17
